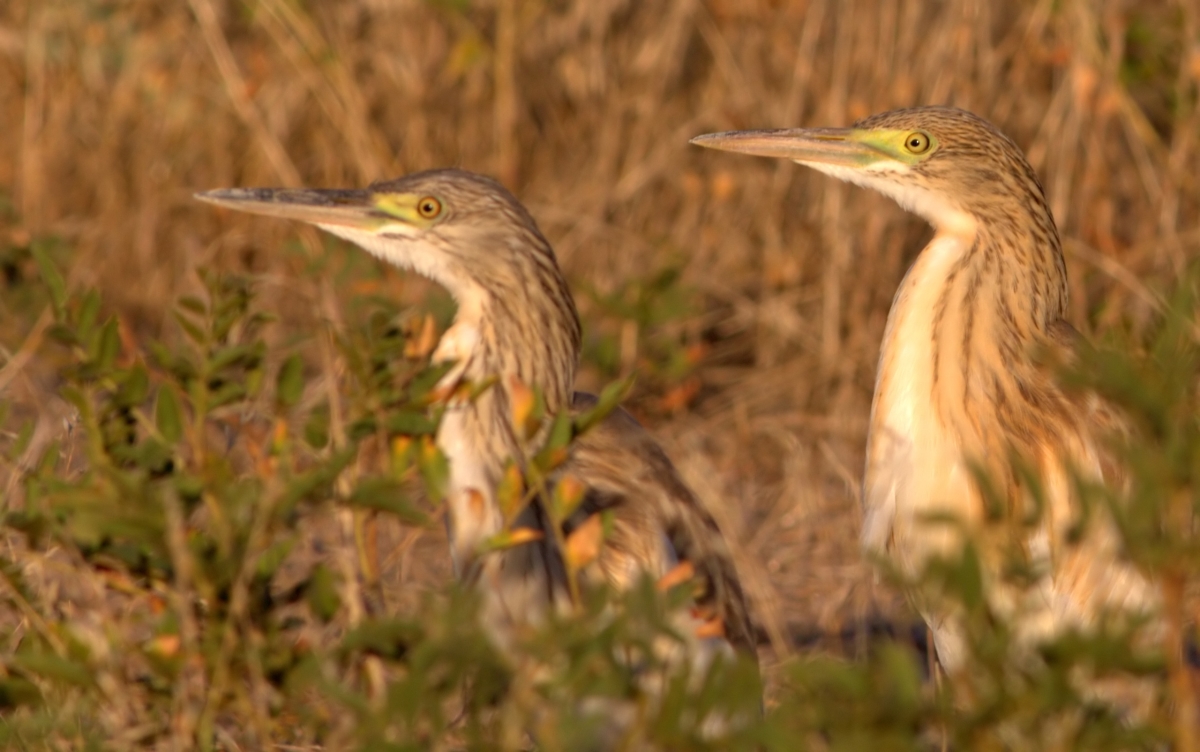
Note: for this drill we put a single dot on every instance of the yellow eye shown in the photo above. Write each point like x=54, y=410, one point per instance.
x=916, y=142
x=429, y=207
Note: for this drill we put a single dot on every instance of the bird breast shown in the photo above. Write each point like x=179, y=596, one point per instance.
x=472, y=516
x=456, y=346
x=915, y=465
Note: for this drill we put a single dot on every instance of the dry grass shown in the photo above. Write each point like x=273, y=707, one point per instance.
x=114, y=113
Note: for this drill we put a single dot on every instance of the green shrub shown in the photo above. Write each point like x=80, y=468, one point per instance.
x=191, y=481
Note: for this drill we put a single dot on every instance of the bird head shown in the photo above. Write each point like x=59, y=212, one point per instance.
x=467, y=233
x=947, y=165
x=462, y=230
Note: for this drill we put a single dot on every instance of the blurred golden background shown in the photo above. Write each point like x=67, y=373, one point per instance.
x=750, y=296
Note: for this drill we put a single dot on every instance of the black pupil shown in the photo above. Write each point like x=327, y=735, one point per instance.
x=427, y=207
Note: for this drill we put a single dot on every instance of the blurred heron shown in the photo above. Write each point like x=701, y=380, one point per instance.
x=960, y=388
x=517, y=324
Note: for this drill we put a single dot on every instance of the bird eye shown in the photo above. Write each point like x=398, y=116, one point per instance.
x=429, y=207
x=916, y=142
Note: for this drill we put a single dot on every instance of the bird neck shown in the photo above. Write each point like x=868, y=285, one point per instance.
x=959, y=347
x=1004, y=285
x=513, y=341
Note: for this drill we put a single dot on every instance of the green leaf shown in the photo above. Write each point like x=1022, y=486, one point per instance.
x=89, y=311
x=189, y=487
x=51, y=276
x=108, y=345
x=609, y=399
x=561, y=431
x=33, y=524
x=435, y=469
x=272, y=559
x=254, y=381
x=318, y=480
x=321, y=593
x=168, y=415
x=134, y=387
x=390, y=638
x=77, y=399
x=50, y=666
x=181, y=366
x=410, y=423
x=427, y=379
x=244, y=356
x=289, y=384
x=362, y=428
x=193, y=330
x=63, y=334
x=153, y=455
x=229, y=392
x=316, y=428
x=192, y=304
x=16, y=691
x=386, y=495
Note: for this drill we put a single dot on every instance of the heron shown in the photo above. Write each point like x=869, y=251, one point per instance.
x=963, y=384
x=517, y=326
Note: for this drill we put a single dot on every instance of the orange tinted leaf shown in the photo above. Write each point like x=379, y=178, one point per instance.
x=476, y=505
x=679, y=397
x=714, y=627
x=435, y=470
x=568, y=494
x=401, y=452
x=512, y=538
x=526, y=410
x=679, y=574
x=696, y=352
x=166, y=645
x=510, y=493
x=583, y=544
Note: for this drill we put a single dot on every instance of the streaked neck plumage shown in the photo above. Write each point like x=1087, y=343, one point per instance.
x=516, y=319
x=957, y=352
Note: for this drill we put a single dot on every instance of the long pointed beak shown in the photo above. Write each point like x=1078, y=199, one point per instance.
x=347, y=208
x=833, y=146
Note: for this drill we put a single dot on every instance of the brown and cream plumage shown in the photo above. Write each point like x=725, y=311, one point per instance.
x=959, y=385
x=517, y=324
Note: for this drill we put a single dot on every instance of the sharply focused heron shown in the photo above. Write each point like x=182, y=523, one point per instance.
x=960, y=386
x=516, y=324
